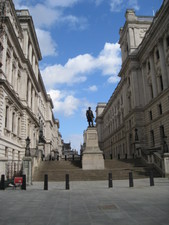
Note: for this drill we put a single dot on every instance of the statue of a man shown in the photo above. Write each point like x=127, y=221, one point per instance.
x=90, y=117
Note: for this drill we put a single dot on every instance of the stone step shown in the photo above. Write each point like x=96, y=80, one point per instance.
x=120, y=169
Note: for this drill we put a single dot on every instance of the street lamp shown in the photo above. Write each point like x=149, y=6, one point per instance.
x=27, y=149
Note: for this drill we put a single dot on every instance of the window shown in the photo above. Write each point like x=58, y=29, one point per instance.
x=151, y=115
x=6, y=152
x=162, y=132
x=129, y=81
x=121, y=99
x=160, y=109
x=151, y=91
x=129, y=103
x=6, y=116
x=167, y=41
x=161, y=83
x=157, y=55
x=13, y=122
x=152, y=138
x=18, y=128
x=148, y=66
x=13, y=154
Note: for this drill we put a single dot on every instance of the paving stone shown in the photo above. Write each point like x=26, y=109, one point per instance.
x=87, y=203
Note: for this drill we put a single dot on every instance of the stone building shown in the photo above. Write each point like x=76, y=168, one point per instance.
x=136, y=118
x=25, y=107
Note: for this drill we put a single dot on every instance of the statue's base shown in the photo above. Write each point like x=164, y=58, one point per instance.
x=92, y=158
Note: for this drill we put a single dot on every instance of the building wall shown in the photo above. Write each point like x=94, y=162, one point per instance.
x=23, y=98
x=141, y=98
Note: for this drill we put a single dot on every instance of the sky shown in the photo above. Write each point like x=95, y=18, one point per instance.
x=81, y=55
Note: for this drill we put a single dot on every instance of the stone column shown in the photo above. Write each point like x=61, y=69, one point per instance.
x=3, y=162
x=10, y=67
x=153, y=76
x=27, y=169
x=145, y=85
x=4, y=53
x=131, y=39
x=29, y=93
x=25, y=43
x=166, y=164
x=135, y=87
x=163, y=64
x=33, y=100
x=30, y=53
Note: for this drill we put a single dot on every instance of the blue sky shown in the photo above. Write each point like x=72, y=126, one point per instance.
x=81, y=54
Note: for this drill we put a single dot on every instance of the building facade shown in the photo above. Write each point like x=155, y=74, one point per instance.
x=136, y=118
x=25, y=107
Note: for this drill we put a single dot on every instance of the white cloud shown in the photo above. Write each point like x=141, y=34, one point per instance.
x=109, y=59
x=77, y=69
x=47, y=44
x=113, y=79
x=93, y=88
x=134, y=4
x=118, y=5
x=64, y=103
x=62, y=3
x=75, y=23
x=52, y=12
x=45, y=16
x=98, y=2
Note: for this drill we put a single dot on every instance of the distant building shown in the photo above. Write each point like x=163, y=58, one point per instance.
x=135, y=121
x=68, y=151
x=25, y=107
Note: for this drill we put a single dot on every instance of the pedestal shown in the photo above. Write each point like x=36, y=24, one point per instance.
x=92, y=157
x=27, y=169
x=166, y=164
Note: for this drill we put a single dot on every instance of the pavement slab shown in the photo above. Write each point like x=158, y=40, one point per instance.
x=87, y=203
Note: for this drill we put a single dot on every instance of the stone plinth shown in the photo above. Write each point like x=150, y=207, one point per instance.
x=166, y=164
x=27, y=169
x=92, y=158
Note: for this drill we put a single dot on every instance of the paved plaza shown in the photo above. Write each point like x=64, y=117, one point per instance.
x=87, y=203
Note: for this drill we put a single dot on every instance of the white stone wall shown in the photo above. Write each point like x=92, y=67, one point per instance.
x=23, y=98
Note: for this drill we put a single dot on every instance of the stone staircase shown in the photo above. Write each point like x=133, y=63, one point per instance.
x=120, y=169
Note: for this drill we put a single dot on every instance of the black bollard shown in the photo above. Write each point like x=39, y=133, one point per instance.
x=103, y=156
x=46, y=182
x=65, y=157
x=111, y=156
x=131, y=183
x=118, y=156
x=110, y=180
x=126, y=156
x=151, y=178
x=2, y=182
x=23, y=187
x=73, y=157
x=67, y=182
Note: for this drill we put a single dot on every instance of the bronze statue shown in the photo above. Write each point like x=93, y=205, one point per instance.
x=90, y=117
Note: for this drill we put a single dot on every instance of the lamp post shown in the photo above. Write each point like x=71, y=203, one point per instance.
x=27, y=149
